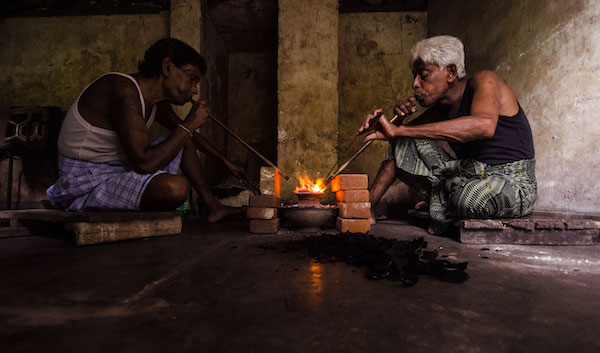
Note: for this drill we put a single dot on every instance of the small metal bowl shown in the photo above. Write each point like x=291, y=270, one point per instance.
x=309, y=199
x=310, y=219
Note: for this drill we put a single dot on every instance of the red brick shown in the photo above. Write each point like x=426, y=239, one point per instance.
x=261, y=212
x=352, y=196
x=264, y=201
x=270, y=181
x=350, y=182
x=353, y=225
x=354, y=209
x=265, y=226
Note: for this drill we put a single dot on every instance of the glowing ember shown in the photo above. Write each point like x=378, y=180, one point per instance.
x=308, y=186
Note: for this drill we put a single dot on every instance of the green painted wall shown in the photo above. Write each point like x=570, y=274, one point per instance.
x=549, y=52
x=307, y=88
x=374, y=51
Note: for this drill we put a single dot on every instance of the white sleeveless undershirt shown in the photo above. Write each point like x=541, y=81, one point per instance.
x=79, y=139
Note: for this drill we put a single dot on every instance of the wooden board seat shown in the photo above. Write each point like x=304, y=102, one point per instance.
x=536, y=229
x=91, y=227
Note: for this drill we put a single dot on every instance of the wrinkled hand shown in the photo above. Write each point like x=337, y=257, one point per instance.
x=385, y=130
x=405, y=106
x=198, y=115
x=371, y=121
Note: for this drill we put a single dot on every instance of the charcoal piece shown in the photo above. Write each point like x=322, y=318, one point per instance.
x=380, y=270
x=407, y=278
x=442, y=269
x=390, y=259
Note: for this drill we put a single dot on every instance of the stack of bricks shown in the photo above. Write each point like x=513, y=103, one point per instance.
x=262, y=212
x=352, y=194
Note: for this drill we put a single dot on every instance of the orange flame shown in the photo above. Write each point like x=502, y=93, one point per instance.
x=307, y=185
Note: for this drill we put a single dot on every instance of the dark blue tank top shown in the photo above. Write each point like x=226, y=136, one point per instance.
x=511, y=142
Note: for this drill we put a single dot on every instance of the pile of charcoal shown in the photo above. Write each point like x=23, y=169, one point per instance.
x=391, y=259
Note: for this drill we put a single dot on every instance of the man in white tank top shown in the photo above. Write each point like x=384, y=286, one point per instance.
x=106, y=157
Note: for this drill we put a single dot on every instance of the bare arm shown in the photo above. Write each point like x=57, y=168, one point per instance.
x=167, y=117
x=125, y=109
x=481, y=124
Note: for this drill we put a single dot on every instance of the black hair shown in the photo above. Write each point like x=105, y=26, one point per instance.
x=179, y=52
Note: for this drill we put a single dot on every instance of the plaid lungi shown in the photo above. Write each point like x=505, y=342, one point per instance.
x=459, y=189
x=113, y=185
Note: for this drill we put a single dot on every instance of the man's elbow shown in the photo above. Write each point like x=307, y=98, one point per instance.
x=486, y=130
x=488, y=133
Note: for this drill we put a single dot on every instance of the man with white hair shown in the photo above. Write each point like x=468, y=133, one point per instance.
x=493, y=175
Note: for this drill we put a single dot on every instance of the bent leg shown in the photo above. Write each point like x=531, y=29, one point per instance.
x=385, y=177
x=418, y=163
x=164, y=192
x=490, y=197
x=192, y=168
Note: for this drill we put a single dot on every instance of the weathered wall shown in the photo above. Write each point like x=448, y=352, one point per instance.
x=214, y=91
x=549, y=52
x=374, y=51
x=48, y=61
x=307, y=88
x=185, y=24
x=189, y=23
x=252, y=109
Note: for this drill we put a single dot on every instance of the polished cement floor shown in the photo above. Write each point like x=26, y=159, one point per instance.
x=218, y=288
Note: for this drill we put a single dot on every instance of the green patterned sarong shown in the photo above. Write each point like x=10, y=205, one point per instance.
x=460, y=189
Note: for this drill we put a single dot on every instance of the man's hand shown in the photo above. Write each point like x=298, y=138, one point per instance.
x=385, y=130
x=235, y=169
x=198, y=115
x=371, y=121
x=405, y=106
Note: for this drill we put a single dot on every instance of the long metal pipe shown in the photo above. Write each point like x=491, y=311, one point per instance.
x=248, y=146
x=364, y=147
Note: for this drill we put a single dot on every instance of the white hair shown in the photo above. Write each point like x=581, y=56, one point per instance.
x=441, y=51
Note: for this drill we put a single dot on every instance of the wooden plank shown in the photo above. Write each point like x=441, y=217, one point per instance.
x=562, y=214
x=480, y=224
x=549, y=224
x=582, y=224
x=12, y=228
x=60, y=216
x=522, y=224
x=87, y=233
x=14, y=232
x=510, y=235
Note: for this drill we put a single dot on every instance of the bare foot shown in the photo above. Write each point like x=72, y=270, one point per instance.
x=422, y=205
x=223, y=212
x=421, y=210
x=372, y=219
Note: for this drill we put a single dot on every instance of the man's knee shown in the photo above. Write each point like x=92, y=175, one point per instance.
x=165, y=191
x=176, y=188
x=482, y=199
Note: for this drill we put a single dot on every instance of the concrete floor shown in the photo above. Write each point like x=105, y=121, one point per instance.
x=217, y=288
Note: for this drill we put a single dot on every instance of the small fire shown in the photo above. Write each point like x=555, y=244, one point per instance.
x=307, y=185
